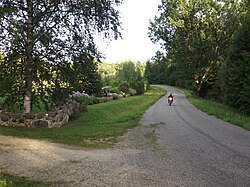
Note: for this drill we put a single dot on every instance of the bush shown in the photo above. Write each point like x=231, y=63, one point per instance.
x=115, y=96
x=115, y=90
x=124, y=89
x=139, y=87
x=132, y=92
x=84, y=99
x=102, y=99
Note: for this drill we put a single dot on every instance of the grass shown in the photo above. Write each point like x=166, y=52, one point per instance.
x=99, y=127
x=7, y=180
x=104, y=123
x=220, y=111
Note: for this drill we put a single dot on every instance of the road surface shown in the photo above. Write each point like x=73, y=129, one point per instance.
x=173, y=146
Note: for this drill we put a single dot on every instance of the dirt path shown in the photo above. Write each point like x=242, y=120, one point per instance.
x=173, y=146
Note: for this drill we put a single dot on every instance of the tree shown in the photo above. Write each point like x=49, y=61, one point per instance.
x=33, y=32
x=86, y=76
x=156, y=70
x=196, y=36
x=126, y=72
x=148, y=72
x=107, y=72
x=129, y=74
x=11, y=79
x=237, y=68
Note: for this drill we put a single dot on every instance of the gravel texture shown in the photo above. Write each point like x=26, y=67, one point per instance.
x=173, y=146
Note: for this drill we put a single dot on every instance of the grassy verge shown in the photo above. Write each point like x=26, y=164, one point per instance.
x=99, y=127
x=7, y=180
x=220, y=111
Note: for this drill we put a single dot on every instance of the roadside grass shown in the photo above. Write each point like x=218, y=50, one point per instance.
x=7, y=180
x=219, y=110
x=99, y=127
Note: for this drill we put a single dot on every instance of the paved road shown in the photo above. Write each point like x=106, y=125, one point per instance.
x=174, y=146
x=205, y=151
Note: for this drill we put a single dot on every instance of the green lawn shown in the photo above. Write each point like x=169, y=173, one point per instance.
x=7, y=180
x=220, y=111
x=100, y=126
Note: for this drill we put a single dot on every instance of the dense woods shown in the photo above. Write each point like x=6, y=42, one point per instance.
x=205, y=47
x=237, y=69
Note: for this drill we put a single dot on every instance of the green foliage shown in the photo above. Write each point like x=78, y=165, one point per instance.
x=220, y=111
x=39, y=40
x=11, y=84
x=237, y=76
x=139, y=86
x=84, y=99
x=132, y=92
x=156, y=70
x=100, y=126
x=115, y=90
x=53, y=83
x=124, y=75
x=129, y=74
x=148, y=75
x=107, y=72
x=196, y=36
x=86, y=77
x=7, y=180
x=126, y=72
x=124, y=89
x=115, y=96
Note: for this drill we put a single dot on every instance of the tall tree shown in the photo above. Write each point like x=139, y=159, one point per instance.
x=34, y=31
x=196, y=36
x=148, y=72
x=130, y=74
x=107, y=72
x=237, y=68
x=126, y=72
x=86, y=76
x=156, y=69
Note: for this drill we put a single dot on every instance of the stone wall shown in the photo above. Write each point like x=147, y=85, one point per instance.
x=58, y=116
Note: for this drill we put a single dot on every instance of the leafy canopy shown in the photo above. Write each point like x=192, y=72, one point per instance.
x=196, y=36
x=41, y=39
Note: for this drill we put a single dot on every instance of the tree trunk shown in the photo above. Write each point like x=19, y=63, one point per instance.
x=29, y=60
x=27, y=97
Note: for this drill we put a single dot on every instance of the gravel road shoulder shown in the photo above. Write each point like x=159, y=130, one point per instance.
x=127, y=164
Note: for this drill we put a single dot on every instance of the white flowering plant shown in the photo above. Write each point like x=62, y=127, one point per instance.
x=80, y=97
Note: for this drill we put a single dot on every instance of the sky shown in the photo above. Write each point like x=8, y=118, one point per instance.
x=135, y=44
